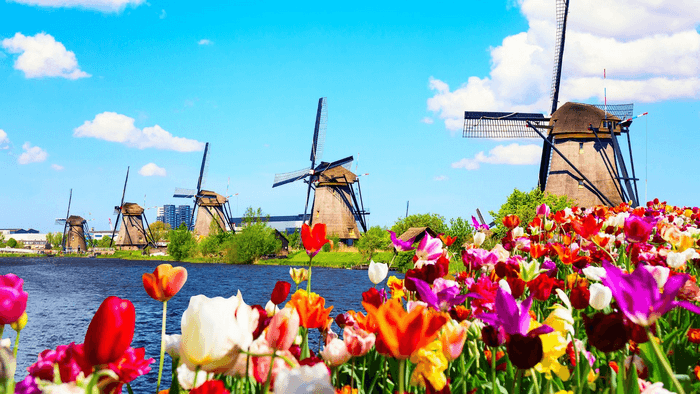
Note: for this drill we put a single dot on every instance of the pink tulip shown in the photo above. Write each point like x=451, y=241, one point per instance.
x=335, y=353
x=13, y=300
x=453, y=337
x=357, y=341
x=283, y=329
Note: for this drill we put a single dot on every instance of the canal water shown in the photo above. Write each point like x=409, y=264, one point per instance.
x=64, y=294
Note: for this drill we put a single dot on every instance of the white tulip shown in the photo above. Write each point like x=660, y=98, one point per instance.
x=659, y=273
x=600, y=296
x=304, y=379
x=594, y=273
x=185, y=377
x=377, y=272
x=271, y=309
x=214, y=331
x=518, y=232
x=479, y=238
x=503, y=284
x=172, y=345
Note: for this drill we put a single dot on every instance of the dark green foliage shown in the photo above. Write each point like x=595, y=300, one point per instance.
x=254, y=241
x=12, y=243
x=55, y=239
x=294, y=240
x=159, y=230
x=376, y=238
x=524, y=205
x=404, y=261
x=214, y=244
x=182, y=243
x=432, y=220
x=461, y=229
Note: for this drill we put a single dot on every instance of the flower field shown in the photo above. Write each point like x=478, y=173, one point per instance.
x=576, y=301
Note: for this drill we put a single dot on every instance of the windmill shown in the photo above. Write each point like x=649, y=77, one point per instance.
x=75, y=231
x=588, y=165
x=133, y=235
x=337, y=195
x=210, y=206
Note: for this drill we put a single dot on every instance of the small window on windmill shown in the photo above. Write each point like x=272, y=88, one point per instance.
x=351, y=231
x=580, y=148
x=580, y=183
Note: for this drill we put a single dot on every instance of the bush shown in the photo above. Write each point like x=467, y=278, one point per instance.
x=12, y=243
x=254, y=241
x=525, y=206
x=461, y=229
x=432, y=220
x=182, y=243
x=376, y=238
x=214, y=244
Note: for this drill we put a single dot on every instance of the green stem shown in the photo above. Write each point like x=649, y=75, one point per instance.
x=664, y=362
x=362, y=385
x=402, y=375
x=269, y=375
x=385, y=366
x=493, y=368
x=14, y=350
x=308, y=281
x=194, y=381
x=464, y=373
x=174, y=383
x=162, y=346
x=305, y=344
x=534, y=380
x=2, y=329
x=352, y=373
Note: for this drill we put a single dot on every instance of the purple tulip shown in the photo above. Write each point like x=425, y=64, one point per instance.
x=444, y=294
x=514, y=318
x=543, y=210
x=475, y=258
x=639, y=229
x=639, y=297
x=399, y=245
x=478, y=226
x=13, y=300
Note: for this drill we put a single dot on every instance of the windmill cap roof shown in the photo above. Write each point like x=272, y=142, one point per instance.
x=209, y=197
x=574, y=118
x=75, y=220
x=131, y=208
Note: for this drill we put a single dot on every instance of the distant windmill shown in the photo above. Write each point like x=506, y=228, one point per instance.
x=75, y=231
x=210, y=206
x=336, y=201
x=589, y=166
x=133, y=234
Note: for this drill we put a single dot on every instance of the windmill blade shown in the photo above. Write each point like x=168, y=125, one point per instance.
x=289, y=177
x=622, y=111
x=119, y=208
x=562, y=13
x=184, y=193
x=65, y=223
x=319, y=132
x=124, y=191
x=327, y=166
x=70, y=197
x=204, y=169
x=478, y=124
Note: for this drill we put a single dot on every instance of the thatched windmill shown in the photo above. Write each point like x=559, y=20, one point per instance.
x=133, y=234
x=588, y=166
x=75, y=231
x=337, y=195
x=210, y=206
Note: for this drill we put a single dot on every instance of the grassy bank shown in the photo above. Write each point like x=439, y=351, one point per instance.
x=329, y=259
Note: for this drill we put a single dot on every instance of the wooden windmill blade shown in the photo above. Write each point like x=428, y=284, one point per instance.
x=479, y=124
x=119, y=208
x=65, y=223
x=289, y=177
x=319, y=132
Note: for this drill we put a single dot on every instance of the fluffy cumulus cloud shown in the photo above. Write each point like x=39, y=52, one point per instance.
x=43, y=56
x=114, y=127
x=31, y=154
x=4, y=140
x=99, y=5
x=649, y=48
x=57, y=167
x=151, y=169
x=513, y=154
x=204, y=41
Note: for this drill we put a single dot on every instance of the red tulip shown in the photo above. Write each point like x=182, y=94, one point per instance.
x=164, y=282
x=13, y=300
x=280, y=292
x=511, y=221
x=283, y=329
x=110, y=332
x=211, y=387
x=313, y=238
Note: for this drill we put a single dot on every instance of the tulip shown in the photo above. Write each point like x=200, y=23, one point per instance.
x=357, y=341
x=110, y=332
x=311, y=308
x=600, y=296
x=305, y=379
x=399, y=245
x=164, y=282
x=313, y=238
x=479, y=238
x=211, y=387
x=299, y=275
x=283, y=329
x=280, y=292
x=271, y=309
x=13, y=300
x=214, y=331
x=606, y=333
x=511, y=221
x=335, y=353
x=639, y=229
x=377, y=272
x=580, y=297
x=186, y=377
x=453, y=336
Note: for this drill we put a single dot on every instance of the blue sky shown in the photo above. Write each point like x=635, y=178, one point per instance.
x=90, y=87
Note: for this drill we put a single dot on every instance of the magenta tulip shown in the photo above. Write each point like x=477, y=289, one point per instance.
x=110, y=332
x=13, y=300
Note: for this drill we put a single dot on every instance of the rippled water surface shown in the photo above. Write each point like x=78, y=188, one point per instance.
x=64, y=293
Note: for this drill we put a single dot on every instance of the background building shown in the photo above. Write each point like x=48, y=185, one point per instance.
x=175, y=215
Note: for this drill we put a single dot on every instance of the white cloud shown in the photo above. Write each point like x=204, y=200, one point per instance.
x=43, y=56
x=441, y=178
x=427, y=120
x=513, y=154
x=4, y=140
x=205, y=41
x=114, y=127
x=151, y=169
x=163, y=14
x=57, y=167
x=649, y=48
x=100, y=5
x=32, y=154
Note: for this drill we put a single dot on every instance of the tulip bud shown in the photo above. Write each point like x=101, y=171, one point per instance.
x=600, y=296
x=335, y=353
x=280, y=292
x=299, y=275
x=479, y=238
x=283, y=329
x=548, y=225
x=377, y=272
x=20, y=323
x=164, y=282
x=110, y=332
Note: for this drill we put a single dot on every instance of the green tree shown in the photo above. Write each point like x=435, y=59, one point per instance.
x=294, y=240
x=182, y=243
x=251, y=216
x=376, y=238
x=55, y=239
x=159, y=230
x=213, y=244
x=254, y=241
x=2, y=240
x=12, y=243
x=461, y=229
x=524, y=204
x=104, y=242
x=432, y=220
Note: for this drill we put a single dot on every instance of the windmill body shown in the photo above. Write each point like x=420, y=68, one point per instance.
x=132, y=233
x=211, y=207
x=75, y=236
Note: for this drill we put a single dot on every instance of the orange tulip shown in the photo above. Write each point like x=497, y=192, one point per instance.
x=367, y=323
x=311, y=309
x=401, y=333
x=313, y=238
x=164, y=282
